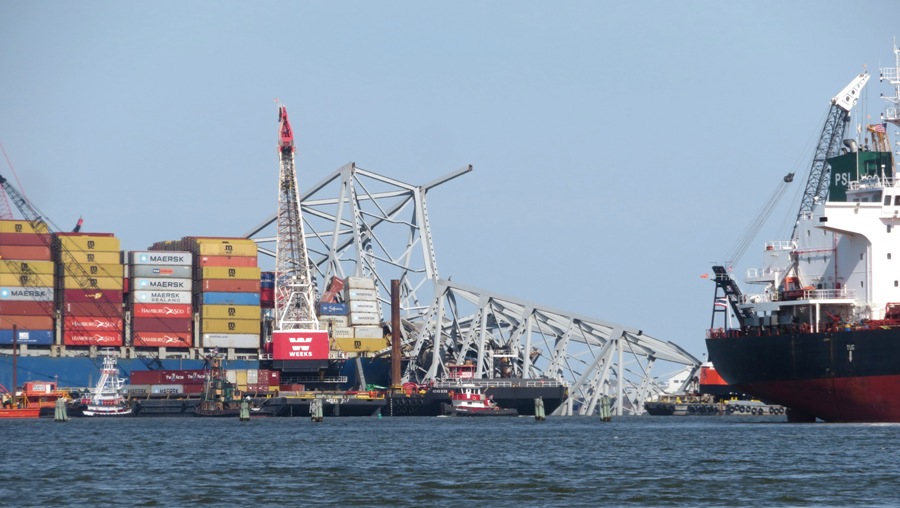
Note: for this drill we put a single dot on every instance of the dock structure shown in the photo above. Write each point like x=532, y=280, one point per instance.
x=359, y=222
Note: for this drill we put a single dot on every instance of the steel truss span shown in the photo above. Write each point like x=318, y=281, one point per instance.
x=361, y=223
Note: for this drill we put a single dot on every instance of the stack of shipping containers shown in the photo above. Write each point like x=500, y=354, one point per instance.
x=90, y=277
x=355, y=324
x=226, y=290
x=161, y=313
x=26, y=284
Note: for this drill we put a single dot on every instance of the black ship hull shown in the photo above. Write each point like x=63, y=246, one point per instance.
x=846, y=376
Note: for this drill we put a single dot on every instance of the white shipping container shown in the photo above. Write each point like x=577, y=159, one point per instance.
x=342, y=332
x=161, y=296
x=160, y=257
x=161, y=284
x=360, y=294
x=174, y=271
x=364, y=306
x=368, y=332
x=136, y=390
x=231, y=376
x=231, y=340
x=252, y=376
x=359, y=283
x=167, y=389
x=335, y=321
x=364, y=318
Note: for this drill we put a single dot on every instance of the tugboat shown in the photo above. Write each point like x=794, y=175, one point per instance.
x=106, y=397
x=470, y=400
x=219, y=397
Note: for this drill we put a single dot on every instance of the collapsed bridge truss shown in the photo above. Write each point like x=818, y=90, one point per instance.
x=361, y=223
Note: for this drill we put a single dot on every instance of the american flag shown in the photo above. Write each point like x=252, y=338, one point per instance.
x=721, y=302
x=877, y=128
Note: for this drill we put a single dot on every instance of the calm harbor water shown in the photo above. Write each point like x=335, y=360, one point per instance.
x=580, y=461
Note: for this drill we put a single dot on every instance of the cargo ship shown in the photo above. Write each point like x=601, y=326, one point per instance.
x=823, y=336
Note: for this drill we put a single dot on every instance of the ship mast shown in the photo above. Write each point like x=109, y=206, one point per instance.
x=294, y=289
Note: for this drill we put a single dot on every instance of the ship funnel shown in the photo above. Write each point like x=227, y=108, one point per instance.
x=851, y=145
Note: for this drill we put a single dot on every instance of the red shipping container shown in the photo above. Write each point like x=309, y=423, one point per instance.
x=26, y=308
x=162, y=325
x=79, y=338
x=93, y=295
x=25, y=252
x=93, y=323
x=269, y=377
x=34, y=240
x=162, y=310
x=230, y=285
x=161, y=339
x=193, y=389
x=26, y=322
x=188, y=377
x=300, y=345
x=336, y=285
x=112, y=310
x=233, y=261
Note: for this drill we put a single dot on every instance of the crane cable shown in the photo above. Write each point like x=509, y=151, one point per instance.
x=737, y=252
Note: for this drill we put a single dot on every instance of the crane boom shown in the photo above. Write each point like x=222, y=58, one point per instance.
x=833, y=132
x=295, y=291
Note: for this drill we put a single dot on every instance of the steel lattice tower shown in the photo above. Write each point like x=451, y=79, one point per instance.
x=295, y=292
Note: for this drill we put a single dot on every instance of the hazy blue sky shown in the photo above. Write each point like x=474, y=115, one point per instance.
x=618, y=147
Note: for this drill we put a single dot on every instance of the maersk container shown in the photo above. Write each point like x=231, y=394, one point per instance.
x=332, y=309
x=163, y=258
x=162, y=284
x=363, y=306
x=26, y=294
x=25, y=267
x=359, y=283
x=219, y=298
x=166, y=389
x=232, y=340
x=335, y=321
x=183, y=297
x=136, y=391
x=360, y=294
x=364, y=318
x=158, y=271
x=32, y=337
x=25, y=252
x=341, y=332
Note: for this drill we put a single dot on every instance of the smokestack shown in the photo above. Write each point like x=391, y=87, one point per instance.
x=395, y=334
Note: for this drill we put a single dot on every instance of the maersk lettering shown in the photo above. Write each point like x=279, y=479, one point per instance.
x=166, y=259
x=167, y=284
x=28, y=292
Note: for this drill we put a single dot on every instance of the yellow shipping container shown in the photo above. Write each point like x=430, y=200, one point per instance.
x=241, y=376
x=361, y=345
x=231, y=312
x=69, y=282
x=35, y=280
x=100, y=258
x=96, y=270
x=20, y=226
x=230, y=326
x=227, y=249
x=17, y=267
x=89, y=243
x=225, y=272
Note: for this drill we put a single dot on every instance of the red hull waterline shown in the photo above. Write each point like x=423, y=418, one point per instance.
x=845, y=399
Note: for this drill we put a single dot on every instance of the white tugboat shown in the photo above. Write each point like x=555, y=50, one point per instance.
x=106, y=397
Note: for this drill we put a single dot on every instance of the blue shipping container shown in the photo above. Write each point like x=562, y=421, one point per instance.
x=220, y=298
x=333, y=309
x=38, y=337
x=267, y=276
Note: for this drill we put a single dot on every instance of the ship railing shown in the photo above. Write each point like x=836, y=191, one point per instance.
x=829, y=294
x=316, y=379
x=767, y=273
x=871, y=182
x=781, y=245
x=500, y=383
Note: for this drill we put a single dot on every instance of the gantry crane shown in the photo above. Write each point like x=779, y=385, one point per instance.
x=295, y=292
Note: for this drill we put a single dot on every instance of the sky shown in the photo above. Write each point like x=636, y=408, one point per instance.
x=619, y=148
